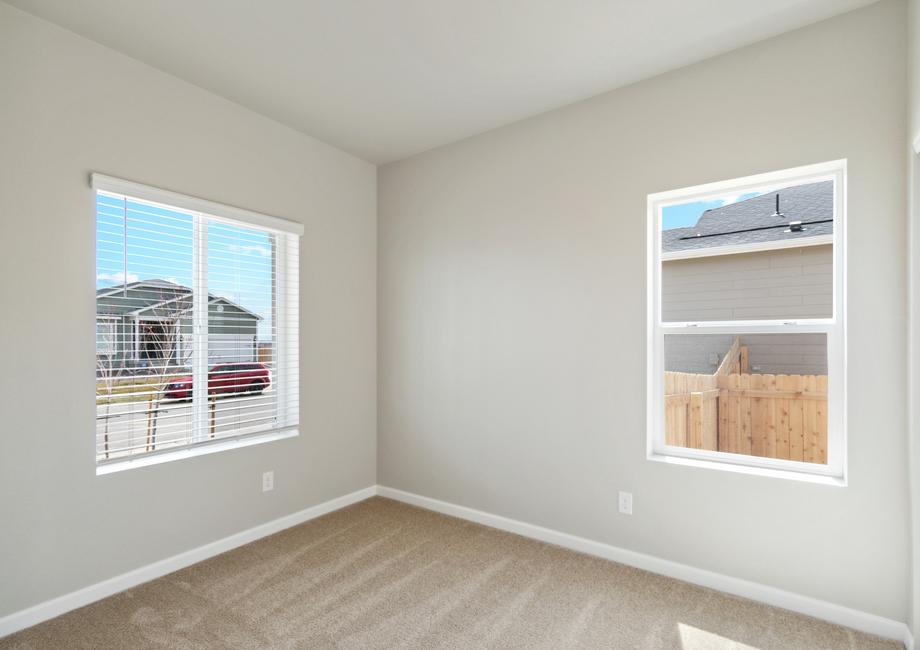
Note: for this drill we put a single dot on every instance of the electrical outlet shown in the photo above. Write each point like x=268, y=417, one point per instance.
x=268, y=481
x=626, y=503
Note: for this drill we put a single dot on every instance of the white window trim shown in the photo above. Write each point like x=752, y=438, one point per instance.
x=201, y=449
x=834, y=473
x=286, y=332
x=214, y=210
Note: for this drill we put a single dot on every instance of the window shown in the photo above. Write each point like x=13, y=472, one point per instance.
x=196, y=325
x=105, y=336
x=747, y=323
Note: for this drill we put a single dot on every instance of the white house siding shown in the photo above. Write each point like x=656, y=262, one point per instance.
x=788, y=354
x=791, y=283
x=698, y=353
x=231, y=348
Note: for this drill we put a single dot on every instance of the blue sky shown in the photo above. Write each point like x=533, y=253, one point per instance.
x=159, y=246
x=687, y=214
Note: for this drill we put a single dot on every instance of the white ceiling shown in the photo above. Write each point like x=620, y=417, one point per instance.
x=385, y=79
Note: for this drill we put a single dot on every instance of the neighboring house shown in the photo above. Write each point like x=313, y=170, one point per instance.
x=149, y=323
x=746, y=260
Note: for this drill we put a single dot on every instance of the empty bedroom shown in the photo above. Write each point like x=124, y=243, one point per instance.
x=438, y=324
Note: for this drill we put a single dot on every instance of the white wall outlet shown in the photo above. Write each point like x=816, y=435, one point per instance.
x=268, y=481
x=626, y=503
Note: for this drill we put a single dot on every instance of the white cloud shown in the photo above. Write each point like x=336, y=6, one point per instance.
x=262, y=251
x=734, y=198
x=116, y=277
x=728, y=200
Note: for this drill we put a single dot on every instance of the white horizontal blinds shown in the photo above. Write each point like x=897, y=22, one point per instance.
x=287, y=315
x=250, y=369
x=196, y=334
x=144, y=261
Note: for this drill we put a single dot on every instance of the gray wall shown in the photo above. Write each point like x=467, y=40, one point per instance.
x=914, y=301
x=512, y=313
x=71, y=107
x=791, y=283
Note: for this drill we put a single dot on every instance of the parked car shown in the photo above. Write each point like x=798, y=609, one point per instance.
x=225, y=379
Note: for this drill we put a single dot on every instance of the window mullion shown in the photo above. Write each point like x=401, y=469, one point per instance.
x=748, y=327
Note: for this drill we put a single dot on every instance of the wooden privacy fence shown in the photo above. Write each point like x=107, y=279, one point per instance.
x=776, y=416
x=691, y=406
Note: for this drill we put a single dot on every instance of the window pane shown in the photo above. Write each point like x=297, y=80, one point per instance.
x=780, y=264
x=241, y=332
x=752, y=394
x=143, y=327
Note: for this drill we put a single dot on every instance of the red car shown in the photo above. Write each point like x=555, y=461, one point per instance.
x=224, y=379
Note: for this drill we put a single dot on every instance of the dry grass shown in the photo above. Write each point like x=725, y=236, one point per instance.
x=118, y=391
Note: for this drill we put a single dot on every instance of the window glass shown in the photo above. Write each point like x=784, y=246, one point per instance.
x=186, y=304
x=753, y=394
x=747, y=331
x=754, y=256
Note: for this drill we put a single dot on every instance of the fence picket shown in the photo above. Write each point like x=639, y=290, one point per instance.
x=724, y=437
x=797, y=422
x=735, y=415
x=811, y=454
x=783, y=431
x=768, y=416
x=758, y=430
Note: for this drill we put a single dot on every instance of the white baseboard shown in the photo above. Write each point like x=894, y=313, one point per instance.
x=57, y=606
x=839, y=614
x=827, y=611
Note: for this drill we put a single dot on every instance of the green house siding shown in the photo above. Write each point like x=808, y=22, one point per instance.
x=133, y=340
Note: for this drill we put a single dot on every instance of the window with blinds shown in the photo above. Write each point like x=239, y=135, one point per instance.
x=196, y=324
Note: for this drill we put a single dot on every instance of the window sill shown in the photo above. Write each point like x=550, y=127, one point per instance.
x=191, y=452
x=752, y=470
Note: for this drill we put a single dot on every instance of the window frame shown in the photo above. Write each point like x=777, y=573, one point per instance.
x=834, y=472
x=286, y=343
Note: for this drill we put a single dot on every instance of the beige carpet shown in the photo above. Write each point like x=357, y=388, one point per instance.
x=381, y=574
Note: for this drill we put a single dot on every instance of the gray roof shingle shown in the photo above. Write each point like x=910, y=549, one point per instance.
x=146, y=294
x=752, y=221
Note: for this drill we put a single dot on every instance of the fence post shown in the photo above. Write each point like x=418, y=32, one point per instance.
x=150, y=423
x=695, y=415
x=213, y=401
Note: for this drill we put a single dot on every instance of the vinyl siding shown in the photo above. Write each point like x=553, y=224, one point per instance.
x=777, y=354
x=791, y=283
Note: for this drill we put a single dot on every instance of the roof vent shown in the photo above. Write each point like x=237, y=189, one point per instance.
x=795, y=226
x=777, y=213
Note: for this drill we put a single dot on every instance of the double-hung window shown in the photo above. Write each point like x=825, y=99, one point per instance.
x=746, y=321
x=196, y=325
